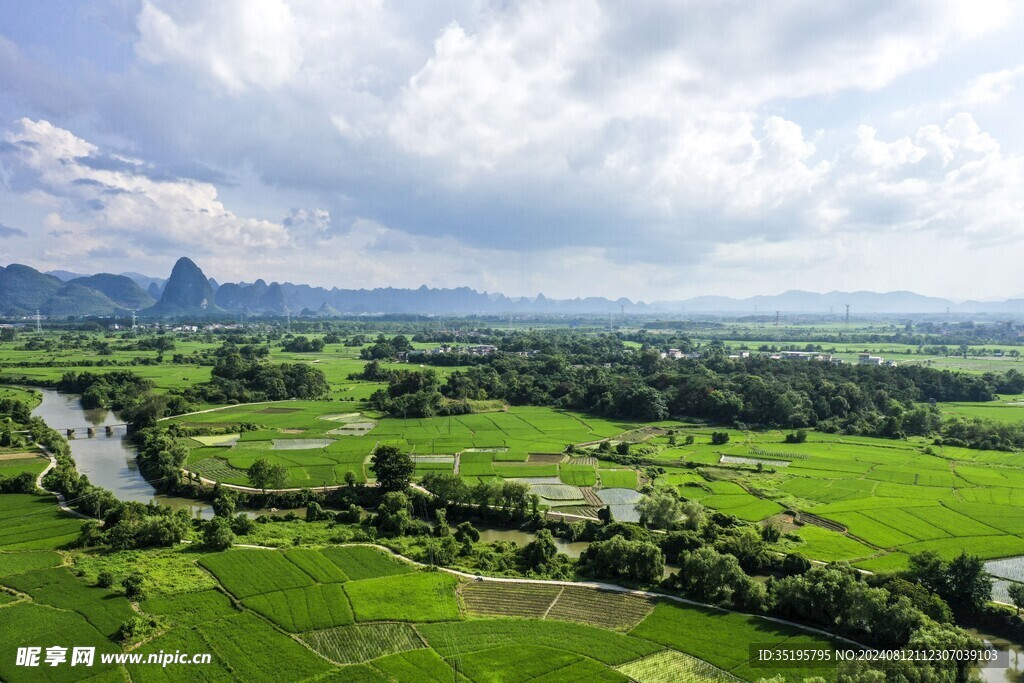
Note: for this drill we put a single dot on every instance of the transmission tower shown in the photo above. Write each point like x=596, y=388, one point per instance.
x=847, y=314
x=39, y=321
x=133, y=320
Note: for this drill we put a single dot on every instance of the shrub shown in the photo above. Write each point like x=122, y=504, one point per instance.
x=133, y=586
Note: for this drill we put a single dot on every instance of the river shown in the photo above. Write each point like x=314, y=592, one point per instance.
x=108, y=461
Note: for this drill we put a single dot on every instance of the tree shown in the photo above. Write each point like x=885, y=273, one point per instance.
x=105, y=579
x=259, y=473
x=708, y=576
x=541, y=550
x=351, y=479
x=615, y=558
x=217, y=534
x=394, y=515
x=315, y=512
x=970, y=586
x=622, y=448
x=928, y=569
x=795, y=563
x=467, y=533
x=1016, y=591
x=771, y=532
x=693, y=515
x=392, y=467
x=660, y=509
x=278, y=476
x=441, y=528
x=224, y=503
x=799, y=436
x=719, y=438
x=133, y=586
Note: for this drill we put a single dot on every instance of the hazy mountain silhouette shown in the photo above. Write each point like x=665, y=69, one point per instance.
x=190, y=293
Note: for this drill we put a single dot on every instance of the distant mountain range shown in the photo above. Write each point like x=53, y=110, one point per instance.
x=188, y=292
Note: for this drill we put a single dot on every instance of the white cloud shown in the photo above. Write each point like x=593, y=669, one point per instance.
x=242, y=43
x=113, y=195
x=988, y=88
x=482, y=143
x=308, y=224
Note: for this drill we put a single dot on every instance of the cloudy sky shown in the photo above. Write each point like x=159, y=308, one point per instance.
x=649, y=149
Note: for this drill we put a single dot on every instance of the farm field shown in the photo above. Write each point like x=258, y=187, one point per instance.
x=318, y=442
x=887, y=499
x=391, y=642
x=1007, y=409
x=33, y=522
x=16, y=462
x=364, y=614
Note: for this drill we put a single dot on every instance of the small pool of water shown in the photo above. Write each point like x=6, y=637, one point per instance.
x=571, y=548
x=1014, y=673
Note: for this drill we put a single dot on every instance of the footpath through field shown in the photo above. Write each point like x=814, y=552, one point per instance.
x=61, y=502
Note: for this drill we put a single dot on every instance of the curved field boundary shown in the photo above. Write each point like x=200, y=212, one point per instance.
x=61, y=501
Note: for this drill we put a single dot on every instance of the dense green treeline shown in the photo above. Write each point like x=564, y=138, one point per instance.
x=600, y=375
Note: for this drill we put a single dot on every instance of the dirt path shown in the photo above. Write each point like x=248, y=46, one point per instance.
x=61, y=502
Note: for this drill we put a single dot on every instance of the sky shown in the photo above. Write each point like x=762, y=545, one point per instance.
x=650, y=149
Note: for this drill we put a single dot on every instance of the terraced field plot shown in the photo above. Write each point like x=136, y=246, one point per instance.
x=1004, y=411
x=419, y=596
x=35, y=523
x=13, y=464
x=618, y=478
x=712, y=635
x=580, y=604
x=670, y=666
x=363, y=642
x=244, y=647
x=622, y=503
x=456, y=640
x=27, y=624
x=304, y=609
x=500, y=599
x=415, y=665
x=20, y=562
x=362, y=562
x=101, y=608
x=607, y=609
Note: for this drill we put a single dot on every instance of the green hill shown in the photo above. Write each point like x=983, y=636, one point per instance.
x=75, y=299
x=122, y=290
x=24, y=289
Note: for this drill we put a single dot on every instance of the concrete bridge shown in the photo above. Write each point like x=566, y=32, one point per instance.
x=91, y=430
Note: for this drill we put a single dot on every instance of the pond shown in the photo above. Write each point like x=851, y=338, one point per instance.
x=1014, y=672
x=571, y=548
